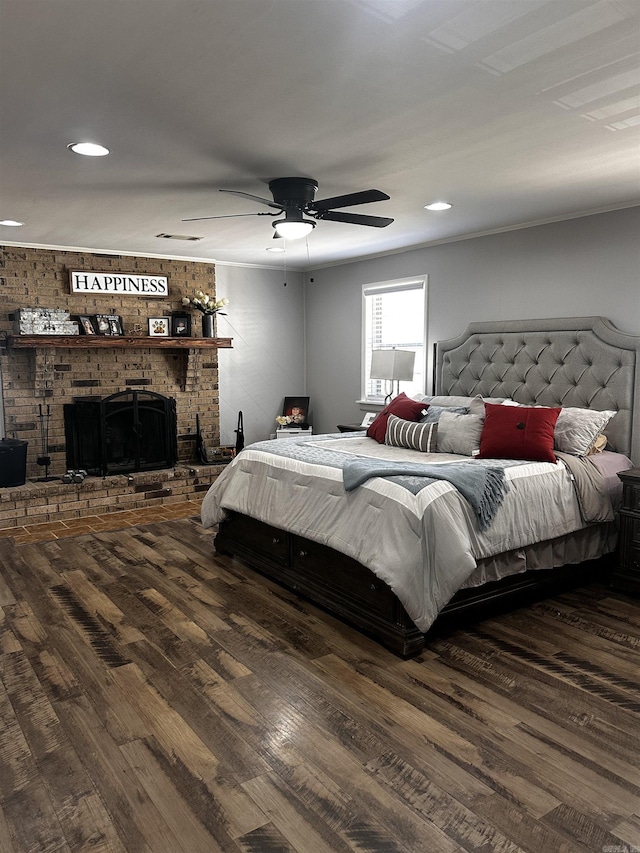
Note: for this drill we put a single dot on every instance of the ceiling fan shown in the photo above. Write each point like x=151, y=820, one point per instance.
x=295, y=197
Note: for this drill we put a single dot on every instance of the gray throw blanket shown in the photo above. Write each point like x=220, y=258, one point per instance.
x=483, y=487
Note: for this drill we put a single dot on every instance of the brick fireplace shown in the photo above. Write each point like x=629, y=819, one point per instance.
x=41, y=377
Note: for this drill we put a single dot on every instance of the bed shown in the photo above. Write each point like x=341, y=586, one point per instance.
x=398, y=559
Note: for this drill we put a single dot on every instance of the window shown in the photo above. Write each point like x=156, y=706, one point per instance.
x=394, y=315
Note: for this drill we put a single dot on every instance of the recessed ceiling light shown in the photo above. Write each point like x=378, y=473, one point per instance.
x=275, y=249
x=88, y=149
x=12, y=223
x=438, y=205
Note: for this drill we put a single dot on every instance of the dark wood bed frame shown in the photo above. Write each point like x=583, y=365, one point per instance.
x=351, y=591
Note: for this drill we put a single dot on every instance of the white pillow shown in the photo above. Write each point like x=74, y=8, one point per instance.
x=459, y=433
x=577, y=429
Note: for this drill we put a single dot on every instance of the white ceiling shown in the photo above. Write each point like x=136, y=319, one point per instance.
x=516, y=111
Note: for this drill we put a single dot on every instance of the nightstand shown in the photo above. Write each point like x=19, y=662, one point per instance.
x=293, y=432
x=626, y=575
x=350, y=427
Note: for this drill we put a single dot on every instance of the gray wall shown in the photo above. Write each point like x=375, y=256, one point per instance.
x=579, y=267
x=266, y=321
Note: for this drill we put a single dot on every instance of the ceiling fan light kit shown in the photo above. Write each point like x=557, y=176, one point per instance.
x=293, y=229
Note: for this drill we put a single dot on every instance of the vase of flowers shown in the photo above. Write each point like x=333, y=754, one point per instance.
x=208, y=307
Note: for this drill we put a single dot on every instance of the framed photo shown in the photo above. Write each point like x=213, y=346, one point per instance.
x=296, y=409
x=159, y=327
x=108, y=324
x=368, y=419
x=180, y=325
x=86, y=325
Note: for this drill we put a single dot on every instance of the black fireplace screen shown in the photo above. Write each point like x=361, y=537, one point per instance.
x=128, y=431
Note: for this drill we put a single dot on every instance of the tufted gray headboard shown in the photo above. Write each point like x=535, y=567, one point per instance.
x=573, y=361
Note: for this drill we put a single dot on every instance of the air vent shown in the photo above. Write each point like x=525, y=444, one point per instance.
x=178, y=237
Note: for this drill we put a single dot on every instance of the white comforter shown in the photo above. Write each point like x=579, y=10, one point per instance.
x=423, y=546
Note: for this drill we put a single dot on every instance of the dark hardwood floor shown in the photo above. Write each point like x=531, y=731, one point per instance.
x=156, y=698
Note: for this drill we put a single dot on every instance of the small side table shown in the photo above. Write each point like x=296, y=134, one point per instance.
x=350, y=427
x=626, y=575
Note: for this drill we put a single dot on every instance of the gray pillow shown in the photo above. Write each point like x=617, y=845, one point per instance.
x=475, y=404
x=458, y=433
x=434, y=412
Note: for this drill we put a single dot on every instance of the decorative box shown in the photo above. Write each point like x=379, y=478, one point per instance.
x=44, y=321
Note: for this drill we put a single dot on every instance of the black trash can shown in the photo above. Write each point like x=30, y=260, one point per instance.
x=13, y=462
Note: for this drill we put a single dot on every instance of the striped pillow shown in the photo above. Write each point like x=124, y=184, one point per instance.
x=416, y=436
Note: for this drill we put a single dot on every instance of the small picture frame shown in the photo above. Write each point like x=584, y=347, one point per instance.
x=108, y=324
x=158, y=327
x=86, y=325
x=368, y=419
x=296, y=410
x=180, y=325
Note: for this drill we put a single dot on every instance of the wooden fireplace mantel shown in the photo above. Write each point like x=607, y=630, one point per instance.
x=42, y=346
x=111, y=341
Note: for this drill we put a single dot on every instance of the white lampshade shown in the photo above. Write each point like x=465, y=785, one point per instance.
x=393, y=364
x=293, y=229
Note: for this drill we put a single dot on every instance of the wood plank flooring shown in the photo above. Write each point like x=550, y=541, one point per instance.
x=155, y=698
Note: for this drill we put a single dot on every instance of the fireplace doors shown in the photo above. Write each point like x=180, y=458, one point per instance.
x=125, y=432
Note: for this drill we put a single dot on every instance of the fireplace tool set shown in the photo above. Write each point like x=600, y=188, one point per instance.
x=44, y=459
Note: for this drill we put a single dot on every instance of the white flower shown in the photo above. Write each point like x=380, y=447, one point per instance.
x=205, y=302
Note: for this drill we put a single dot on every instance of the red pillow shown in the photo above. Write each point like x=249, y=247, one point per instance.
x=518, y=432
x=402, y=407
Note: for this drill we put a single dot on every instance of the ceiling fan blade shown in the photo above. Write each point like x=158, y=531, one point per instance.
x=253, y=198
x=227, y=216
x=363, y=197
x=355, y=218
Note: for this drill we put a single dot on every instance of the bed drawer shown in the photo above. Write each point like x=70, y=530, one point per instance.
x=251, y=537
x=331, y=572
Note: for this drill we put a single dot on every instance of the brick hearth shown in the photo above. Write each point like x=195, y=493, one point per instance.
x=43, y=503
